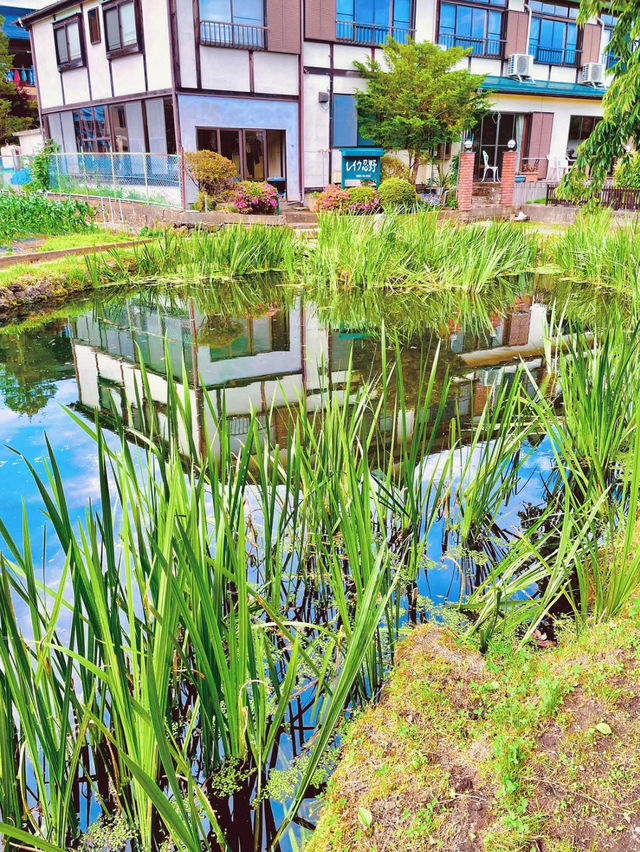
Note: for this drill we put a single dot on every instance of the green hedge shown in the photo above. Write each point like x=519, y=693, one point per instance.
x=23, y=215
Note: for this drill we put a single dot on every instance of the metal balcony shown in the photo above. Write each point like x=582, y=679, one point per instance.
x=222, y=34
x=353, y=32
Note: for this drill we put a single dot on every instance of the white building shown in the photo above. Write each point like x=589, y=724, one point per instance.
x=270, y=83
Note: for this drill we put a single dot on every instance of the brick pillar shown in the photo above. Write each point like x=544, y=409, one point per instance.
x=508, y=177
x=465, y=179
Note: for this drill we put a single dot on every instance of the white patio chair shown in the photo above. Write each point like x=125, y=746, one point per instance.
x=488, y=168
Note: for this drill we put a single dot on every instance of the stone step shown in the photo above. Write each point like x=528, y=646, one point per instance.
x=300, y=216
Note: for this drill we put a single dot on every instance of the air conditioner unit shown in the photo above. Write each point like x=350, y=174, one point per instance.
x=592, y=74
x=521, y=65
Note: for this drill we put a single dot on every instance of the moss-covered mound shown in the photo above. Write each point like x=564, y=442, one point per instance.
x=532, y=750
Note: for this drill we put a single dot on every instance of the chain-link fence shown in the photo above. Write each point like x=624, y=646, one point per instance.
x=147, y=178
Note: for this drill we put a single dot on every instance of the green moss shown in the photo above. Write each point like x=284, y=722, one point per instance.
x=495, y=753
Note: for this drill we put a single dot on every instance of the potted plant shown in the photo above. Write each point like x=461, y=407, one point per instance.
x=530, y=172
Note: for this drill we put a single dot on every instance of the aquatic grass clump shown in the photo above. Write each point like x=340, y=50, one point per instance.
x=580, y=552
x=596, y=250
x=418, y=251
x=217, y=605
x=227, y=253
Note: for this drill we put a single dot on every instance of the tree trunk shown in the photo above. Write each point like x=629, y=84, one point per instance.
x=414, y=160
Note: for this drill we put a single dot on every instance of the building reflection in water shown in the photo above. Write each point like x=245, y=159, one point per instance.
x=258, y=363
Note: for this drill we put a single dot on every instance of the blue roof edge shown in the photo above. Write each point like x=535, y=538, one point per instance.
x=546, y=88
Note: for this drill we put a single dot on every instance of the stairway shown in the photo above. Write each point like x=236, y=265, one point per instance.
x=300, y=219
x=485, y=194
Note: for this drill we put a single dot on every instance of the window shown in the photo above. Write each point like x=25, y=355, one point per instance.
x=371, y=21
x=580, y=128
x=232, y=23
x=475, y=27
x=94, y=26
x=120, y=28
x=257, y=154
x=92, y=130
x=608, y=24
x=69, y=43
x=554, y=33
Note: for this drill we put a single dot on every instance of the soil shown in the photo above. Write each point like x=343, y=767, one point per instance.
x=521, y=750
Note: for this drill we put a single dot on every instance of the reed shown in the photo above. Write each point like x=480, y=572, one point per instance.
x=190, y=635
x=595, y=250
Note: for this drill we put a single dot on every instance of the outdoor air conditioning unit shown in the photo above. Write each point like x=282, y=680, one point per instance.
x=521, y=65
x=592, y=74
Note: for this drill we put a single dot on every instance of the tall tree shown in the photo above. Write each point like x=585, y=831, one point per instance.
x=416, y=99
x=17, y=110
x=620, y=125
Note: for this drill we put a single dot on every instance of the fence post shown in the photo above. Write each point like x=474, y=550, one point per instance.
x=113, y=175
x=57, y=159
x=146, y=175
x=508, y=178
x=183, y=181
x=83, y=160
x=465, y=179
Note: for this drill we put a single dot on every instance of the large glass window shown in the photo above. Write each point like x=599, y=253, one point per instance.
x=120, y=27
x=232, y=23
x=69, y=43
x=475, y=27
x=580, y=128
x=92, y=130
x=257, y=154
x=554, y=33
x=371, y=21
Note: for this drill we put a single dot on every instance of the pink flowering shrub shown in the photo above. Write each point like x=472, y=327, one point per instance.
x=356, y=200
x=255, y=197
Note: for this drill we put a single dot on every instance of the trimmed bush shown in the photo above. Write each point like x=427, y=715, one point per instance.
x=395, y=192
x=363, y=199
x=333, y=198
x=255, y=197
x=214, y=176
x=626, y=174
x=356, y=199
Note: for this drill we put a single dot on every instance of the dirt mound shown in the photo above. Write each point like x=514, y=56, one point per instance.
x=519, y=750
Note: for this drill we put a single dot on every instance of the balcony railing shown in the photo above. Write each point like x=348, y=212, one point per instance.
x=21, y=76
x=491, y=46
x=371, y=34
x=223, y=34
x=555, y=55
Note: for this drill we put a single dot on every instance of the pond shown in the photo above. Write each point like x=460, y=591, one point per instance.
x=123, y=356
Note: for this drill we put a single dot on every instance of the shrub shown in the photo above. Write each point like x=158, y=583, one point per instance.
x=213, y=174
x=626, y=173
x=363, y=199
x=333, y=198
x=41, y=167
x=393, y=167
x=356, y=199
x=255, y=197
x=395, y=192
x=33, y=213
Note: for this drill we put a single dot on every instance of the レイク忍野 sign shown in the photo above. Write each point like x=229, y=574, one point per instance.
x=361, y=164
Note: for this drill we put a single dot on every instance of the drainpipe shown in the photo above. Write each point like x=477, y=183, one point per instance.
x=301, y=104
x=177, y=129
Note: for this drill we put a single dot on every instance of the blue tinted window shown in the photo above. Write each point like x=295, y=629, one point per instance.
x=471, y=27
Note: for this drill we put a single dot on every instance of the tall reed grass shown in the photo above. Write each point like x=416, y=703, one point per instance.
x=418, y=251
x=211, y=609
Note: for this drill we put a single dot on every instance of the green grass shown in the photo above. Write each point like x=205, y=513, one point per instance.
x=83, y=239
x=506, y=751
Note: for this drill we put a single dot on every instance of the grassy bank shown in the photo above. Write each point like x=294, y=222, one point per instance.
x=521, y=749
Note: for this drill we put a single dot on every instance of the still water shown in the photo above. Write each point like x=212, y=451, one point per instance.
x=90, y=361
